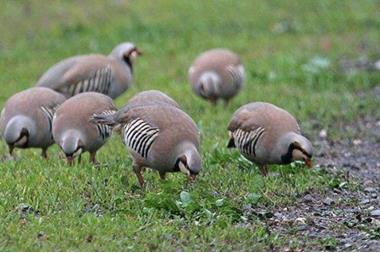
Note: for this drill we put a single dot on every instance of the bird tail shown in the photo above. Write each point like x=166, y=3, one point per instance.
x=231, y=143
x=105, y=118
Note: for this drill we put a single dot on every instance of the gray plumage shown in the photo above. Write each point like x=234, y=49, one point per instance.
x=161, y=137
x=151, y=97
x=217, y=74
x=267, y=134
x=72, y=129
x=146, y=98
x=26, y=120
x=110, y=75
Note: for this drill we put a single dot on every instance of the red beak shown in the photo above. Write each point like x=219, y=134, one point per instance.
x=70, y=160
x=138, y=52
x=192, y=178
x=308, y=163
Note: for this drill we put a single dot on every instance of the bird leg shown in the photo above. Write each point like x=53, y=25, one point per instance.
x=92, y=158
x=264, y=170
x=137, y=170
x=70, y=160
x=191, y=178
x=11, y=148
x=44, y=153
x=226, y=103
x=162, y=175
x=79, y=158
x=213, y=101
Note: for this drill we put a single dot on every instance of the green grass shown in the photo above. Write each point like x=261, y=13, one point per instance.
x=88, y=208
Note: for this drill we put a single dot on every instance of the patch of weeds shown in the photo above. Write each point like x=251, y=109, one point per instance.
x=329, y=243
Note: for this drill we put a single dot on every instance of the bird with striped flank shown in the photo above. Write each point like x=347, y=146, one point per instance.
x=144, y=98
x=217, y=74
x=266, y=134
x=26, y=120
x=73, y=130
x=110, y=75
x=160, y=137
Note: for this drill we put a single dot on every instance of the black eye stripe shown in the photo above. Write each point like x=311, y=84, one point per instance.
x=71, y=154
x=302, y=151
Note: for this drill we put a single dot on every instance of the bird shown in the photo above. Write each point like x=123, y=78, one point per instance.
x=160, y=137
x=110, y=75
x=217, y=74
x=74, y=132
x=144, y=98
x=266, y=134
x=26, y=119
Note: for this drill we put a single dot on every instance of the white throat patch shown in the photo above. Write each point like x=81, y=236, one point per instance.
x=183, y=168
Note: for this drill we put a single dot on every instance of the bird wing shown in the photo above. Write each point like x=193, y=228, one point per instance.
x=139, y=136
x=79, y=74
x=236, y=72
x=49, y=112
x=245, y=133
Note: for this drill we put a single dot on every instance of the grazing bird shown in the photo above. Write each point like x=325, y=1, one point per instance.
x=110, y=75
x=72, y=129
x=26, y=120
x=217, y=74
x=144, y=98
x=266, y=134
x=160, y=137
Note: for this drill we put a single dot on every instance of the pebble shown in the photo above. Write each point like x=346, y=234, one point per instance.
x=328, y=201
x=375, y=213
x=370, y=189
x=302, y=227
x=278, y=215
x=301, y=220
x=347, y=245
x=364, y=202
x=323, y=134
x=308, y=198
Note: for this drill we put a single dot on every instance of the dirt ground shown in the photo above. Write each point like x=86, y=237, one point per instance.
x=341, y=218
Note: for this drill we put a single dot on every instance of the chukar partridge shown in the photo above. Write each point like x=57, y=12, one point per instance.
x=110, y=75
x=163, y=138
x=145, y=98
x=26, y=120
x=72, y=129
x=217, y=74
x=266, y=134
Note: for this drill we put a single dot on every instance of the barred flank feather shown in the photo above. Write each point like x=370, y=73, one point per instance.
x=139, y=136
x=237, y=75
x=49, y=113
x=99, y=82
x=246, y=141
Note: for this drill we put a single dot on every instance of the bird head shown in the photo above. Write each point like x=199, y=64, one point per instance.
x=209, y=85
x=72, y=145
x=299, y=148
x=19, y=130
x=189, y=163
x=126, y=52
